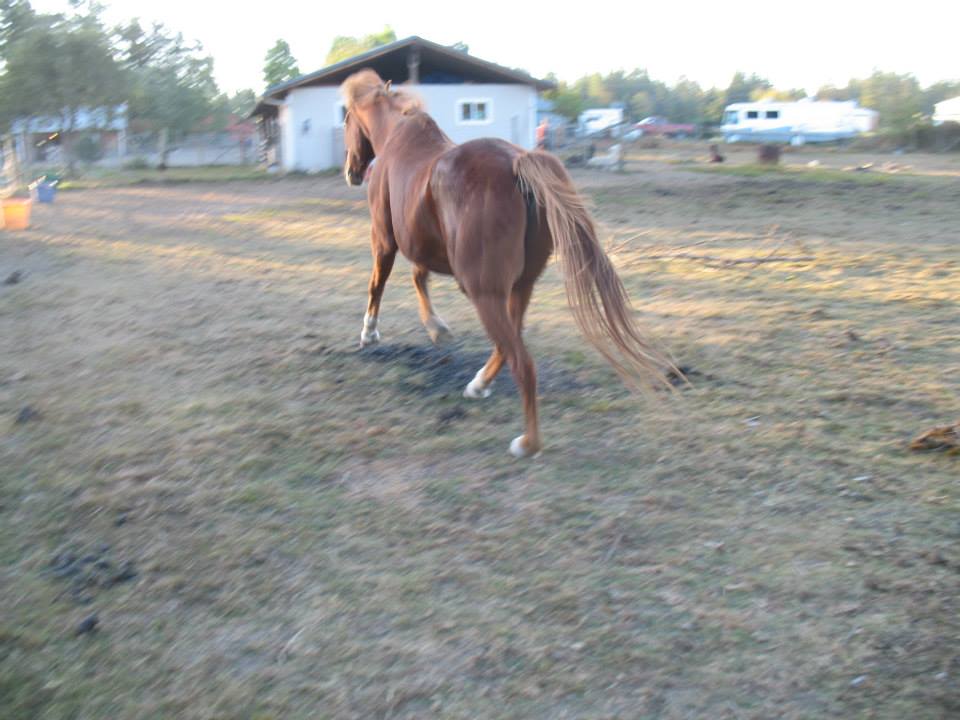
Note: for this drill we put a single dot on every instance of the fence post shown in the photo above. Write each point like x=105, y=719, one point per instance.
x=11, y=165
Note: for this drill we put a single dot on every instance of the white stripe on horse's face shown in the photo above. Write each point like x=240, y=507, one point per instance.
x=369, y=335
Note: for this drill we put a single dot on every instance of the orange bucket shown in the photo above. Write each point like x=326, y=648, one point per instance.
x=16, y=213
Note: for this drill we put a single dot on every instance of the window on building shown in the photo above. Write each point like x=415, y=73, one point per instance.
x=474, y=111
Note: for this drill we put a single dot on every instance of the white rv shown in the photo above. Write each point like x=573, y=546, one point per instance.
x=797, y=122
x=599, y=119
x=947, y=111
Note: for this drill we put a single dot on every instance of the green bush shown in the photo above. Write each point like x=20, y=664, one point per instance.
x=941, y=138
x=873, y=142
x=923, y=135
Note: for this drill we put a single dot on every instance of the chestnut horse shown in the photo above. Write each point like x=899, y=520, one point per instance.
x=490, y=214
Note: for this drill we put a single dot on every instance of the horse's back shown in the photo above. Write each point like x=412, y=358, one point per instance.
x=480, y=160
x=481, y=212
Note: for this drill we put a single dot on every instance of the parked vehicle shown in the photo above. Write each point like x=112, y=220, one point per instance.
x=797, y=122
x=597, y=120
x=947, y=111
x=661, y=127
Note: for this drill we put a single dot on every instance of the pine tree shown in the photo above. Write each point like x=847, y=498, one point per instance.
x=279, y=64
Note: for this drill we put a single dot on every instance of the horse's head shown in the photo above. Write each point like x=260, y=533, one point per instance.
x=372, y=107
x=359, y=150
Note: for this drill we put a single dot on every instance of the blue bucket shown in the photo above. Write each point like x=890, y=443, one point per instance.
x=46, y=191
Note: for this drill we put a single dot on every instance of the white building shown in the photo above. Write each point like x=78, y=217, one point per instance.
x=39, y=139
x=947, y=111
x=797, y=122
x=301, y=120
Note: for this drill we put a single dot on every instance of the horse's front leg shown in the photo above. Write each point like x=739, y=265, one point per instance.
x=383, y=258
x=436, y=327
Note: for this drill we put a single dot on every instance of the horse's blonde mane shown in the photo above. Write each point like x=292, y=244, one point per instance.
x=366, y=86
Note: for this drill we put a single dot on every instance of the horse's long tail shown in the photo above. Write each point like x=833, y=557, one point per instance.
x=595, y=293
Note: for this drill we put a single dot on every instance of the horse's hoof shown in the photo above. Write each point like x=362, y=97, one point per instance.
x=516, y=447
x=369, y=337
x=439, y=333
x=475, y=389
x=520, y=449
x=472, y=393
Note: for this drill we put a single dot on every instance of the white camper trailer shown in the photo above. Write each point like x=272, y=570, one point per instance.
x=797, y=122
x=947, y=111
x=598, y=119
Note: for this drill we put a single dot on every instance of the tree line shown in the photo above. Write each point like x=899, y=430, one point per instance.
x=900, y=100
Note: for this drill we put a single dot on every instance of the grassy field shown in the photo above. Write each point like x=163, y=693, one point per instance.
x=213, y=505
x=95, y=178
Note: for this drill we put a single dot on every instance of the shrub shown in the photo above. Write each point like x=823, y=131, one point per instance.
x=919, y=136
x=874, y=142
x=943, y=138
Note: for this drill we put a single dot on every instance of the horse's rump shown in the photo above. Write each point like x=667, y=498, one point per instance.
x=483, y=215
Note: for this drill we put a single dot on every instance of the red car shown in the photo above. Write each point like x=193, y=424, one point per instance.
x=660, y=126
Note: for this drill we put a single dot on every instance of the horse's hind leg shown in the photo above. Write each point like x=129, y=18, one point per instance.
x=382, y=265
x=436, y=328
x=479, y=387
x=504, y=331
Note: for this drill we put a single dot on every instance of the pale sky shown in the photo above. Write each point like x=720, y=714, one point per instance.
x=804, y=43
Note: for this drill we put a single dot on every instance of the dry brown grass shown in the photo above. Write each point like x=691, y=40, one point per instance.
x=322, y=533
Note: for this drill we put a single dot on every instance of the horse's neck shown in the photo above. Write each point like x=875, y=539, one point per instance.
x=417, y=128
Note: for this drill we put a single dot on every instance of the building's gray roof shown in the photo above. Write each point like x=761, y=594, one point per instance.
x=392, y=55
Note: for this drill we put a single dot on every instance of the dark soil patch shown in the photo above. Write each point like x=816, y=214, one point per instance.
x=448, y=369
x=86, y=571
x=26, y=414
x=685, y=377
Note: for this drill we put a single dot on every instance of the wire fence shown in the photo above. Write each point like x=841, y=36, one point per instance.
x=116, y=149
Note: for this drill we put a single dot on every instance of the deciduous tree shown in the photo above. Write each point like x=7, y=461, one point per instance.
x=171, y=82
x=345, y=47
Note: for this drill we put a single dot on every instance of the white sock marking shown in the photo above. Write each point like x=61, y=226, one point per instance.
x=369, y=334
x=475, y=388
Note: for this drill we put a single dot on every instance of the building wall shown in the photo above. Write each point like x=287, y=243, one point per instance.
x=311, y=131
x=307, y=119
x=513, y=116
